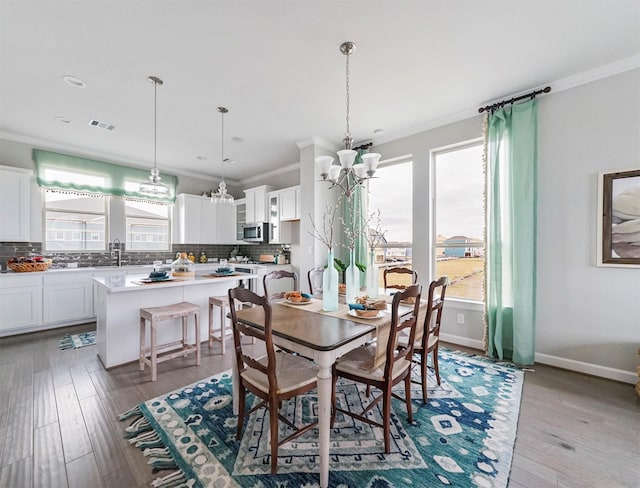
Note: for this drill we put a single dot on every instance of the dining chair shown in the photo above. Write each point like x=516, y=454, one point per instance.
x=273, y=377
x=382, y=365
x=278, y=275
x=401, y=271
x=427, y=337
x=314, y=275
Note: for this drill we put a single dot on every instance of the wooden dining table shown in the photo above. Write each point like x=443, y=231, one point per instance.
x=322, y=336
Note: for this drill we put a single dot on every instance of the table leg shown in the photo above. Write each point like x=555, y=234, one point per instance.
x=325, y=362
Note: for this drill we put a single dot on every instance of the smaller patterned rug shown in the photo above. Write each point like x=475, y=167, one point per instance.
x=75, y=341
x=463, y=437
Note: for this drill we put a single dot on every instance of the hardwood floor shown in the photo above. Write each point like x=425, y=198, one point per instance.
x=59, y=427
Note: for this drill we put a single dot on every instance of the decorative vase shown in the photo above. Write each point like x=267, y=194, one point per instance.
x=372, y=276
x=352, y=279
x=330, y=286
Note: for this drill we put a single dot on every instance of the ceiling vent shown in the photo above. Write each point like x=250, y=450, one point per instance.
x=101, y=125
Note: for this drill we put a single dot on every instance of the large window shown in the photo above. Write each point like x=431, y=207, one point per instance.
x=458, y=219
x=147, y=226
x=74, y=222
x=392, y=193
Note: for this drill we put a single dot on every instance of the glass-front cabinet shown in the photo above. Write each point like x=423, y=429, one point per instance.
x=274, y=218
x=241, y=218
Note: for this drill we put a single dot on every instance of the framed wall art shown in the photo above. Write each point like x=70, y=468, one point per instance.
x=619, y=218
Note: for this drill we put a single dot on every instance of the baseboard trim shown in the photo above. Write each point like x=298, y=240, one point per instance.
x=558, y=362
x=588, y=368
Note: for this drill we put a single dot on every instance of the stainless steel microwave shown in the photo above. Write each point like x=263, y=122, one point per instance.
x=258, y=232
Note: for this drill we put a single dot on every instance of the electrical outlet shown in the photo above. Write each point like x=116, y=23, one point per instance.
x=460, y=318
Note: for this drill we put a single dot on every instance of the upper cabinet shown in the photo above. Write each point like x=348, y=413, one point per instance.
x=256, y=204
x=290, y=203
x=196, y=220
x=15, y=188
x=241, y=219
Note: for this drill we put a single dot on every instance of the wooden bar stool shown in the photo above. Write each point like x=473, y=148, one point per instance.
x=222, y=302
x=151, y=355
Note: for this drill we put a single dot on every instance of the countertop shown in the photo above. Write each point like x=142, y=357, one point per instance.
x=126, y=283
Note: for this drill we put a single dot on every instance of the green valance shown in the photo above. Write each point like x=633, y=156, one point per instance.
x=64, y=172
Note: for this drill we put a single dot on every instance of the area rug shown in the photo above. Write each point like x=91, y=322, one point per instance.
x=75, y=341
x=463, y=436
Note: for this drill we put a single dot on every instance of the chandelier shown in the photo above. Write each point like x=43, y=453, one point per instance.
x=221, y=196
x=347, y=175
x=154, y=187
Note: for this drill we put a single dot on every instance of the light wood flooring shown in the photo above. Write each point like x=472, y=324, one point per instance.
x=59, y=427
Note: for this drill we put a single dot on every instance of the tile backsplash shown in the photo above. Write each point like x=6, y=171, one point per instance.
x=88, y=259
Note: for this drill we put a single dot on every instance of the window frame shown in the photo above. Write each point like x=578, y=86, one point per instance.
x=434, y=246
x=168, y=219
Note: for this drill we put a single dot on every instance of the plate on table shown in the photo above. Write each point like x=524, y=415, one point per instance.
x=156, y=280
x=218, y=274
x=306, y=301
x=353, y=313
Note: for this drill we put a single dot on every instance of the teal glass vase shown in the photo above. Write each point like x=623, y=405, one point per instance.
x=330, y=286
x=372, y=276
x=352, y=279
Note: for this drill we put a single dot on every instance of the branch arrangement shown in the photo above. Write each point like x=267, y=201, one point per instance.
x=373, y=238
x=325, y=233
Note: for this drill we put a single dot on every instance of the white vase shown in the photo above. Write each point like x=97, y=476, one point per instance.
x=372, y=276
x=352, y=279
x=330, y=286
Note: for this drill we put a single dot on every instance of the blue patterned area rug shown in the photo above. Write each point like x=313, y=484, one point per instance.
x=463, y=437
x=75, y=341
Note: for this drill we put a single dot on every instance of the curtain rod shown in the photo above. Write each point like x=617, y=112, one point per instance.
x=502, y=103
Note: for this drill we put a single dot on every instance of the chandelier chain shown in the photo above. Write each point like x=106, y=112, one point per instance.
x=347, y=134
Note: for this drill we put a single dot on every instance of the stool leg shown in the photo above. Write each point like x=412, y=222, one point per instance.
x=210, y=336
x=222, y=327
x=142, y=345
x=185, y=343
x=154, y=352
x=197, y=343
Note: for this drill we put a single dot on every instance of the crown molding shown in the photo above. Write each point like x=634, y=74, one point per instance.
x=317, y=141
x=276, y=172
x=611, y=69
x=81, y=152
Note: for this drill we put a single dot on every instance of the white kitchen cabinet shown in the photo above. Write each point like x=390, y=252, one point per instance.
x=256, y=204
x=20, y=303
x=290, y=203
x=241, y=219
x=14, y=204
x=196, y=220
x=279, y=231
x=68, y=297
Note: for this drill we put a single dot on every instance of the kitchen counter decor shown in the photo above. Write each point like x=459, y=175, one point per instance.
x=24, y=265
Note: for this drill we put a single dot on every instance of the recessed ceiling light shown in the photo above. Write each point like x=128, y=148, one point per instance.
x=73, y=81
x=378, y=132
x=237, y=139
x=230, y=161
x=202, y=158
x=64, y=120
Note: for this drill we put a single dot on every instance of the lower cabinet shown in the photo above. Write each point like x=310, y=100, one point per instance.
x=20, y=303
x=67, y=297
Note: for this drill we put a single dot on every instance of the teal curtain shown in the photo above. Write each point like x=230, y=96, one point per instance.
x=64, y=172
x=511, y=192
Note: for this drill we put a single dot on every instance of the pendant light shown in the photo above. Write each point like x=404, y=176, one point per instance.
x=346, y=175
x=221, y=196
x=154, y=187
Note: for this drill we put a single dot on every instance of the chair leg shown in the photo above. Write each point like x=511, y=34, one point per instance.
x=435, y=364
x=407, y=397
x=423, y=376
x=386, y=413
x=222, y=327
x=241, y=398
x=273, y=426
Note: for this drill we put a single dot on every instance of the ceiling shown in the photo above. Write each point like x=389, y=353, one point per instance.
x=277, y=67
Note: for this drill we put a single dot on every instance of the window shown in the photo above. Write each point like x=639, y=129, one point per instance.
x=147, y=226
x=395, y=214
x=74, y=222
x=458, y=219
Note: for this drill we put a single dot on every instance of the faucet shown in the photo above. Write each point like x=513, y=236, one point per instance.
x=116, y=252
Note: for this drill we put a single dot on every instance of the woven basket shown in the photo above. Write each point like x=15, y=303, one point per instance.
x=27, y=267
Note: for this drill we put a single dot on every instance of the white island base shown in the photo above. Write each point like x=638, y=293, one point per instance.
x=119, y=299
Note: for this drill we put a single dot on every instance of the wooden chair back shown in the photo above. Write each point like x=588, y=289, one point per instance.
x=433, y=316
x=400, y=326
x=247, y=360
x=315, y=280
x=413, y=278
x=277, y=275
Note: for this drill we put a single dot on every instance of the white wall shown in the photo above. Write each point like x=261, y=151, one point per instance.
x=588, y=317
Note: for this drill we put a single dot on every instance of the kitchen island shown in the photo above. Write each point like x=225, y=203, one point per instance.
x=120, y=297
